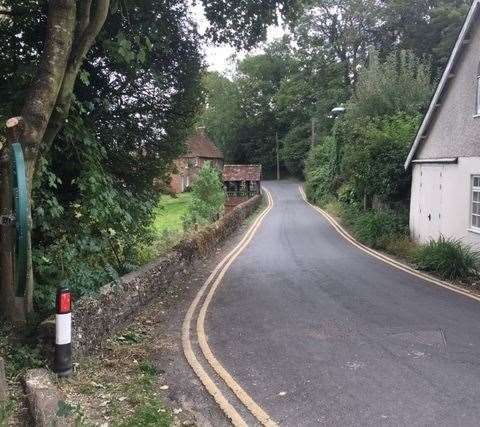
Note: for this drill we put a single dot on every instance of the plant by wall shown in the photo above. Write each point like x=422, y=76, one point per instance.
x=208, y=197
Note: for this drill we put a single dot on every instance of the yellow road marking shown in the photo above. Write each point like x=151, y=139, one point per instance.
x=242, y=395
x=209, y=384
x=384, y=258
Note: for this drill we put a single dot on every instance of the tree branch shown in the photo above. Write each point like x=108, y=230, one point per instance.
x=80, y=49
x=90, y=32
x=83, y=17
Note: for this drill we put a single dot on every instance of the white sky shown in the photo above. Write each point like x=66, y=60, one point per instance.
x=219, y=57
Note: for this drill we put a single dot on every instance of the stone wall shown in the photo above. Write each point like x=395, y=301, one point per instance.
x=98, y=317
x=3, y=384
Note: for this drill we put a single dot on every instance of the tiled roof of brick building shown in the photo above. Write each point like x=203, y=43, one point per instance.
x=242, y=172
x=200, y=145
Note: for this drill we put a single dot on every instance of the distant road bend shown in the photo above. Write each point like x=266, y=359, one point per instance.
x=316, y=332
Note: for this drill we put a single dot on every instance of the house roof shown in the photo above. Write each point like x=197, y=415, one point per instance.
x=448, y=74
x=242, y=172
x=200, y=145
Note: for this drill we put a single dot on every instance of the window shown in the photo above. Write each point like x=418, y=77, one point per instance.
x=475, y=223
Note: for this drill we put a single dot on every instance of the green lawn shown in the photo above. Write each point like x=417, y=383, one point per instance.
x=170, y=212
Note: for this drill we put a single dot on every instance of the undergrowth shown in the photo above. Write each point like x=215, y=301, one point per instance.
x=19, y=352
x=449, y=258
x=375, y=228
x=6, y=410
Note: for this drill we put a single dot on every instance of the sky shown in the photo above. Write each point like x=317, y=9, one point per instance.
x=219, y=57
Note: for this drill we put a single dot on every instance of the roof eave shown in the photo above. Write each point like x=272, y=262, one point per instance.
x=457, y=50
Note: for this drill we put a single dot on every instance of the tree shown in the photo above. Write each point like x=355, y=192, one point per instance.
x=221, y=114
x=428, y=28
x=70, y=34
x=208, y=197
x=245, y=22
x=344, y=29
x=259, y=79
x=400, y=83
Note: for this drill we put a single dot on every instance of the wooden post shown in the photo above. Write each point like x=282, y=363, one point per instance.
x=13, y=307
x=278, y=156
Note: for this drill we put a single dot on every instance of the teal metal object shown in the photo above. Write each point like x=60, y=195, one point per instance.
x=20, y=204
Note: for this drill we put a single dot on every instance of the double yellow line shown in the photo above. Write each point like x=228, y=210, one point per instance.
x=210, y=286
x=387, y=260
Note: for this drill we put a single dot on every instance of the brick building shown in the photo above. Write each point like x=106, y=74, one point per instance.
x=200, y=148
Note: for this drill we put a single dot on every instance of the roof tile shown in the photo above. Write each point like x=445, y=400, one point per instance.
x=200, y=145
x=242, y=172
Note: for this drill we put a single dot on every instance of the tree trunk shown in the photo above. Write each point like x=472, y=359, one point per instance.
x=87, y=29
x=69, y=37
x=43, y=94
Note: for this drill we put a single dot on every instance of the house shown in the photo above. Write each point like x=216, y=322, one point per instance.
x=241, y=183
x=200, y=148
x=445, y=155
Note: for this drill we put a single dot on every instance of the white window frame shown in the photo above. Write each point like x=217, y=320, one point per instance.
x=475, y=189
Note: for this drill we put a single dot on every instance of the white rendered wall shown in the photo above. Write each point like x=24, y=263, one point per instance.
x=443, y=193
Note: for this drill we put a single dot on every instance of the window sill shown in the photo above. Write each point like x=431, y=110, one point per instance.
x=476, y=116
x=474, y=230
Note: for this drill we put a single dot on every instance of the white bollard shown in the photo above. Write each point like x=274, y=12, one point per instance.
x=63, y=333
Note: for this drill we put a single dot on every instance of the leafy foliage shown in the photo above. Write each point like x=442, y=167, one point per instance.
x=400, y=83
x=320, y=170
x=450, y=258
x=372, y=140
x=376, y=228
x=373, y=160
x=245, y=23
x=208, y=197
x=221, y=114
x=295, y=146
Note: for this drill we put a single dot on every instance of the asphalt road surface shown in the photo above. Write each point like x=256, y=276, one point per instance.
x=320, y=333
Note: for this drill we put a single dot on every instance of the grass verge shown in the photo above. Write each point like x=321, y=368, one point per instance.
x=119, y=385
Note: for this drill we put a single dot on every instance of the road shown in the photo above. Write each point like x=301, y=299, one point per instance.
x=318, y=332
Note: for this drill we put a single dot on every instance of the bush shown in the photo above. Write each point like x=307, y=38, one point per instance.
x=449, y=258
x=373, y=159
x=377, y=228
x=82, y=266
x=401, y=246
x=320, y=171
x=208, y=197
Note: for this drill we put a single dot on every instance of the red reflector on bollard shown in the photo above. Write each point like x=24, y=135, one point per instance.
x=64, y=302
